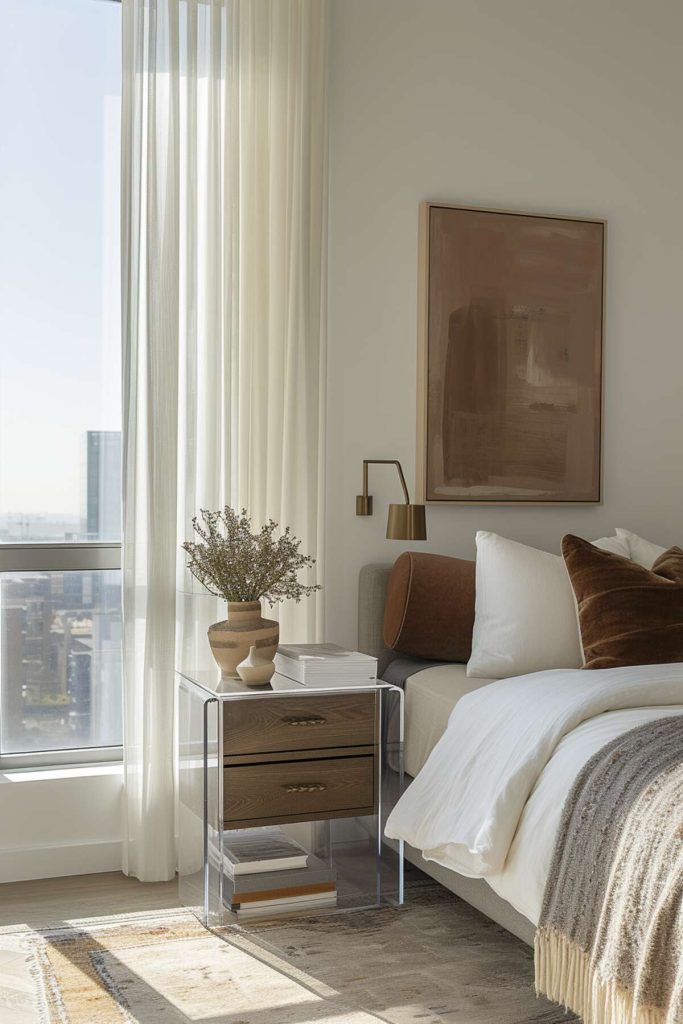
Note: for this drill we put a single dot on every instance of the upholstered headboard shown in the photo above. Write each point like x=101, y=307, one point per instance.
x=372, y=591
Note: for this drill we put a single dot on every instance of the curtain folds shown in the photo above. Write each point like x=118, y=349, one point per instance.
x=223, y=228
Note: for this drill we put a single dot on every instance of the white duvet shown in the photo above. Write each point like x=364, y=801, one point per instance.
x=488, y=801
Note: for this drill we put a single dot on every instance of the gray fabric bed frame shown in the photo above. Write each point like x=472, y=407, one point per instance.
x=372, y=587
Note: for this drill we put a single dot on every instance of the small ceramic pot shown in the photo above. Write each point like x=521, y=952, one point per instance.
x=256, y=669
x=243, y=629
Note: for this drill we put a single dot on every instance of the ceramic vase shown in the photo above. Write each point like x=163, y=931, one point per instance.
x=243, y=629
x=256, y=669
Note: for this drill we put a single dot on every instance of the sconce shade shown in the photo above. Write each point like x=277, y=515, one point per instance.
x=406, y=522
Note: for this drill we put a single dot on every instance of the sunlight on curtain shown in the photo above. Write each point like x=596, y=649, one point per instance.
x=223, y=228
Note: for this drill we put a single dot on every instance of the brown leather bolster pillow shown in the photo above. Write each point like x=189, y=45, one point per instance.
x=429, y=611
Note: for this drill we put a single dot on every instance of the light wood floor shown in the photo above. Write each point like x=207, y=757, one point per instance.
x=48, y=900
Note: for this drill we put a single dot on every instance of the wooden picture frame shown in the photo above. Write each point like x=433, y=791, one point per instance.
x=511, y=311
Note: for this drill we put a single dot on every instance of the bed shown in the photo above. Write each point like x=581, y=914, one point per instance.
x=426, y=719
x=597, y=707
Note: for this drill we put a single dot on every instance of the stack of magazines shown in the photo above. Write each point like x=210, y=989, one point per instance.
x=266, y=872
x=323, y=665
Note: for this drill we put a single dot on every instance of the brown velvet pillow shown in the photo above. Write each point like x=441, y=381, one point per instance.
x=429, y=611
x=628, y=615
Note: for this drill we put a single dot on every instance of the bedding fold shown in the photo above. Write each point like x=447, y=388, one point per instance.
x=463, y=808
x=610, y=940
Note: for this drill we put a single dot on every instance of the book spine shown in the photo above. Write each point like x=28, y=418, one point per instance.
x=240, y=869
x=254, y=898
x=280, y=880
x=292, y=669
x=338, y=684
x=285, y=906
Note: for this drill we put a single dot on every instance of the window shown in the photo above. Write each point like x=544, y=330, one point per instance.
x=60, y=381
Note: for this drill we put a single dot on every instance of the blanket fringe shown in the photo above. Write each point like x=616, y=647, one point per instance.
x=565, y=975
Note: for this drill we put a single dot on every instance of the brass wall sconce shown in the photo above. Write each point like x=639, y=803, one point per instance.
x=404, y=522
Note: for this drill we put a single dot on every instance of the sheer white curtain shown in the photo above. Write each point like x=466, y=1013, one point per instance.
x=223, y=225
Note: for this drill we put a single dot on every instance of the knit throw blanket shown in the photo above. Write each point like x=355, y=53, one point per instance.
x=609, y=944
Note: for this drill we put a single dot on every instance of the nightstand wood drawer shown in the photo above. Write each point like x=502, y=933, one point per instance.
x=298, y=790
x=308, y=722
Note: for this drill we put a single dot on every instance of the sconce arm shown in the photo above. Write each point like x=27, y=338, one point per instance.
x=364, y=500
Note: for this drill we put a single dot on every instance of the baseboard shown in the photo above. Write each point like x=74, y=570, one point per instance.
x=21, y=865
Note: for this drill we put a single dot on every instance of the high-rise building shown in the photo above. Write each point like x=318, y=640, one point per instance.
x=103, y=485
x=106, y=709
x=12, y=620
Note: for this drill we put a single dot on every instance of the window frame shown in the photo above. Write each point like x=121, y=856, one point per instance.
x=61, y=557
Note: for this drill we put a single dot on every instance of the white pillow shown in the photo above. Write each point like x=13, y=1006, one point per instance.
x=644, y=552
x=525, y=616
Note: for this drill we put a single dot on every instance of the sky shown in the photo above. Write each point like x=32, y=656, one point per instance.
x=60, y=86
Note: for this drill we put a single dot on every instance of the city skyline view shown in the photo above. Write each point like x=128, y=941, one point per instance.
x=60, y=262
x=99, y=517
x=60, y=653
x=60, y=371
x=60, y=631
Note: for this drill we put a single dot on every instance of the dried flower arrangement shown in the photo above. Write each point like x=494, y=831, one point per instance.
x=238, y=565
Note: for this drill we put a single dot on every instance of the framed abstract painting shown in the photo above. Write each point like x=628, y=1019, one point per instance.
x=510, y=356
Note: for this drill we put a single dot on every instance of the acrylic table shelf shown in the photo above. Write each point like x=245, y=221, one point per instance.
x=324, y=765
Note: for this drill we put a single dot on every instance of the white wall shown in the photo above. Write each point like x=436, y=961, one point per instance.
x=543, y=105
x=61, y=821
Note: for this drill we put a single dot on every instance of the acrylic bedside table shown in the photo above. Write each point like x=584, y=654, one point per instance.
x=325, y=765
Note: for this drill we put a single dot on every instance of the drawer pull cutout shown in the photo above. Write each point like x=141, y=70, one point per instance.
x=304, y=787
x=304, y=721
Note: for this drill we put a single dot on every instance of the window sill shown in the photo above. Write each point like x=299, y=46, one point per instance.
x=51, y=774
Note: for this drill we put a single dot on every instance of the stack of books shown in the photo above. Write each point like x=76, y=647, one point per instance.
x=321, y=665
x=267, y=873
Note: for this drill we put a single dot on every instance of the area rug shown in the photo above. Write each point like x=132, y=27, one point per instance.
x=433, y=961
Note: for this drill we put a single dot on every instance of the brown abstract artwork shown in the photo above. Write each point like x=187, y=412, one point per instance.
x=510, y=396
